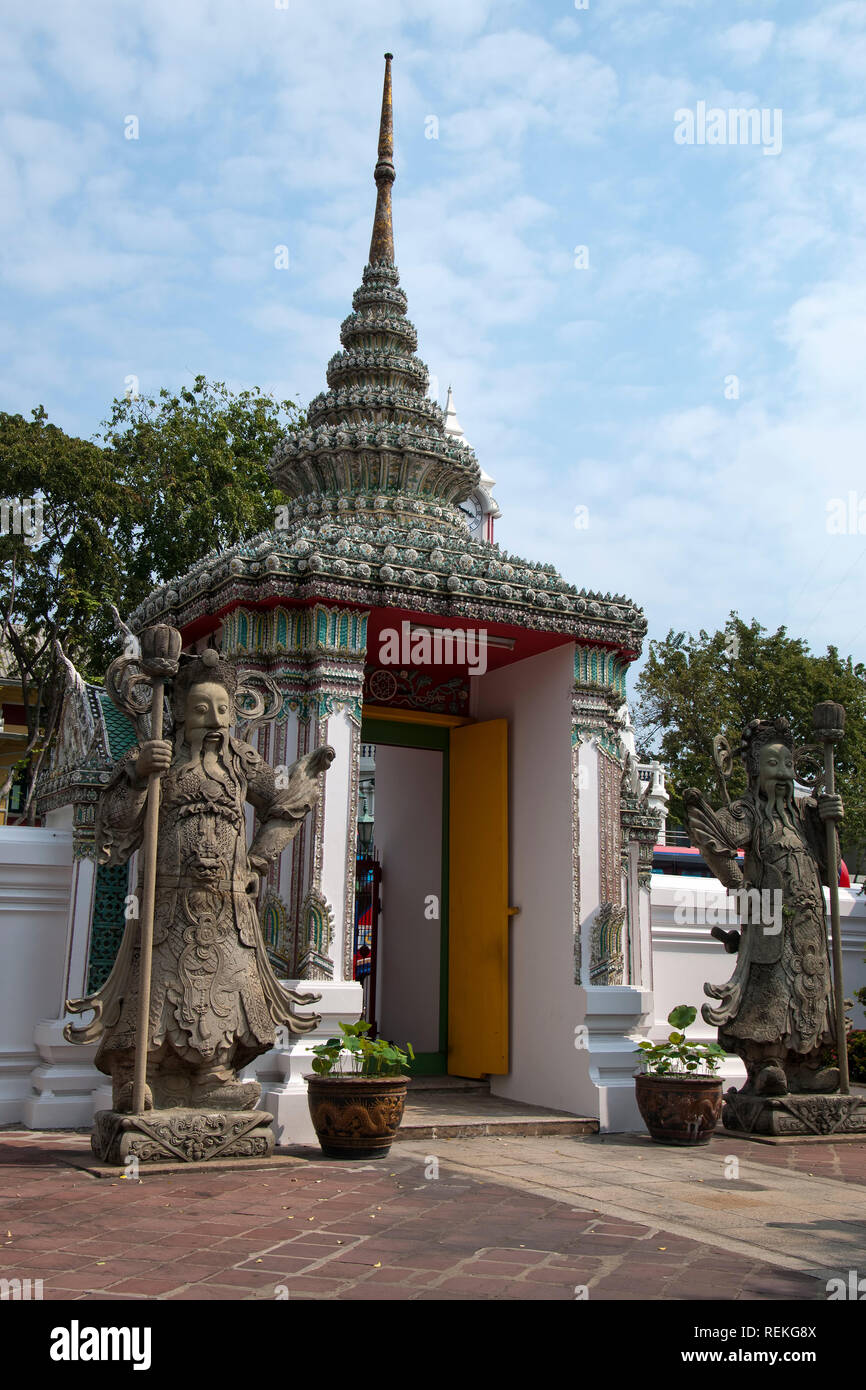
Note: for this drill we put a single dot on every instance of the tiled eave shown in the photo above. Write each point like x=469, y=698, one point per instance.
x=448, y=576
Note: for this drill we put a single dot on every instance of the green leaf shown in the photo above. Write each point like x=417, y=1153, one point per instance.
x=682, y=1016
x=355, y=1030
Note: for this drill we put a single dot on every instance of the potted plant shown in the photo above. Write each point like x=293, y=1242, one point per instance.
x=678, y=1093
x=357, y=1092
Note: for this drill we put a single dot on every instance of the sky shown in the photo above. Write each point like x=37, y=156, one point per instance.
x=668, y=333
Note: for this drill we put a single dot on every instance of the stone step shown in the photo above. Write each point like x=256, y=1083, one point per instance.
x=448, y=1084
x=454, y=1114
x=571, y=1125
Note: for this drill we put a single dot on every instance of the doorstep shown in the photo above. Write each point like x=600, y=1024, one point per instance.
x=454, y=1111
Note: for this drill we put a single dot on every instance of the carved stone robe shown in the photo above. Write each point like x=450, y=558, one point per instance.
x=781, y=990
x=214, y=997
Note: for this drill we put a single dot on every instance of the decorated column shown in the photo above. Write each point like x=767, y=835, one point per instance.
x=313, y=659
x=615, y=1004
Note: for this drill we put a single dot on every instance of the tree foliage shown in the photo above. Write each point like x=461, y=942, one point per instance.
x=194, y=467
x=53, y=588
x=170, y=479
x=693, y=688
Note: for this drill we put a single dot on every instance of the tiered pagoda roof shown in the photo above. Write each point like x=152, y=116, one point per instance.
x=373, y=483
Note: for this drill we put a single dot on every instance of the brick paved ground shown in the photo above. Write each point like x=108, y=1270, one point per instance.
x=325, y=1230
x=846, y=1162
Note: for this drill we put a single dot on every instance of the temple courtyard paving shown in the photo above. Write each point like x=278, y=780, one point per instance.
x=517, y=1217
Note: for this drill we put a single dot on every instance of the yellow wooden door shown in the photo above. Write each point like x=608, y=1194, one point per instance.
x=478, y=900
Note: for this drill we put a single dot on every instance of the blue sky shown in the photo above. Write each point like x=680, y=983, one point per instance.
x=602, y=386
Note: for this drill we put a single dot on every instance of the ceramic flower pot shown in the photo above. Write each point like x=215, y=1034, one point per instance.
x=679, y=1109
x=356, y=1116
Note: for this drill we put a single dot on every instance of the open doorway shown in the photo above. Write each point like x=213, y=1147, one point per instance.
x=400, y=947
x=438, y=832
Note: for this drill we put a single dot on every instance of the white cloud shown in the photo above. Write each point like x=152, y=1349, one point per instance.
x=836, y=37
x=748, y=41
x=521, y=83
x=656, y=270
x=258, y=127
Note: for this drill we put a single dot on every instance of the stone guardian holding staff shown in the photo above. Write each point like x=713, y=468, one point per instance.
x=777, y=1012
x=213, y=1001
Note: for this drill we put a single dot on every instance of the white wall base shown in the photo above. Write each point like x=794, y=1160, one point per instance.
x=36, y=872
x=15, y=1072
x=61, y=1087
x=616, y=1019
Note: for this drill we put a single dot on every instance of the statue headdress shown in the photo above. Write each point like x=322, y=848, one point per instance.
x=195, y=670
x=128, y=683
x=756, y=735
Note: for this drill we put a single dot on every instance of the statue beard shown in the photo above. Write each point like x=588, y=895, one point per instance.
x=776, y=798
x=209, y=752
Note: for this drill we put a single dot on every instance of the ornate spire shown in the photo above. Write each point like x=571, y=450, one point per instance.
x=373, y=483
x=375, y=440
x=382, y=241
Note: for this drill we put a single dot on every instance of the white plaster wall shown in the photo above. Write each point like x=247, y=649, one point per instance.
x=534, y=695
x=408, y=838
x=35, y=878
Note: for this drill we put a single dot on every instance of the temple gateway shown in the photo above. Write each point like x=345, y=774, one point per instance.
x=476, y=705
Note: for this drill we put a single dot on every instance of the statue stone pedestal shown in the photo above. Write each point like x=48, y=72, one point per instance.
x=182, y=1136
x=823, y=1116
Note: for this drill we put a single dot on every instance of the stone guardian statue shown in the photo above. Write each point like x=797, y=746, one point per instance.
x=215, y=1002
x=776, y=1011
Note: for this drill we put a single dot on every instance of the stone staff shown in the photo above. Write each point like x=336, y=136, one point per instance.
x=160, y=655
x=829, y=722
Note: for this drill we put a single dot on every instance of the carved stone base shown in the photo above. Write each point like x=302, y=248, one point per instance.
x=816, y=1115
x=182, y=1136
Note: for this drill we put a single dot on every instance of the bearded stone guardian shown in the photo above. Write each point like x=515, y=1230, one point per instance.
x=214, y=1003
x=777, y=1010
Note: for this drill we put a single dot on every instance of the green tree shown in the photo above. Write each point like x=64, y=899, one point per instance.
x=55, y=582
x=194, y=464
x=693, y=688
x=171, y=479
